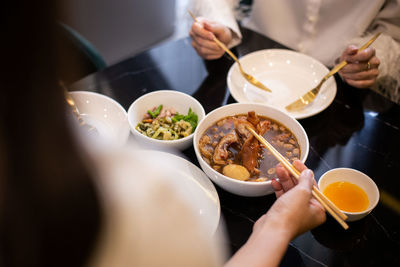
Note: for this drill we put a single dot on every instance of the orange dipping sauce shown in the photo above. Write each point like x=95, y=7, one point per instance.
x=347, y=196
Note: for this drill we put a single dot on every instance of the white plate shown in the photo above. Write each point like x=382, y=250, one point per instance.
x=288, y=74
x=193, y=184
x=105, y=114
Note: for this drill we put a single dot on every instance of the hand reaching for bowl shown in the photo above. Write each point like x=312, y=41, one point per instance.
x=295, y=203
x=294, y=212
x=362, y=68
x=203, y=32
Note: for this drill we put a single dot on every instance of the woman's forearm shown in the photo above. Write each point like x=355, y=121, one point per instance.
x=265, y=247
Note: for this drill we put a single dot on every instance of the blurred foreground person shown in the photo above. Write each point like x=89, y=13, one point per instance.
x=49, y=206
x=66, y=202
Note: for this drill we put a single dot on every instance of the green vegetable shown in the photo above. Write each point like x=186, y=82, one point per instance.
x=191, y=117
x=156, y=112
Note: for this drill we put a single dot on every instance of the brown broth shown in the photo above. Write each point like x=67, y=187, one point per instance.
x=278, y=135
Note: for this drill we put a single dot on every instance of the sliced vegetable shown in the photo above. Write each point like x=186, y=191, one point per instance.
x=156, y=112
x=166, y=124
x=191, y=117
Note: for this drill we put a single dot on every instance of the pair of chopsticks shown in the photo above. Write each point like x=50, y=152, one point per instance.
x=339, y=216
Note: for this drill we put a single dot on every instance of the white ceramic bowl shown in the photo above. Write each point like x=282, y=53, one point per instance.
x=355, y=177
x=104, y=113
x=181, y=102
x=245, y=188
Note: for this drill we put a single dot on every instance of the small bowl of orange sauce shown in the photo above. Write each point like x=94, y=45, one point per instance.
x=352, y=191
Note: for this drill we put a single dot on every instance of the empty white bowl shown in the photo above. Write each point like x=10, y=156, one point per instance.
x=355, y=177
x=105, y=114
x=181, y=102
x=246, y=188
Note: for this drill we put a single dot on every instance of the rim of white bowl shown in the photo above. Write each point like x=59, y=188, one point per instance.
x=367, y=178
x=165, y=141
x=101, y=96
x=249, y=183
x=113, y=101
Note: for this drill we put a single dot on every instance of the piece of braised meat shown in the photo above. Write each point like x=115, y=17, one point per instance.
x=250, y=146
x=263, y=127
x=205, y=147
x=249, y=155
x=241, y=128
x=221, y=151
x=253, y=118
x=226, y=124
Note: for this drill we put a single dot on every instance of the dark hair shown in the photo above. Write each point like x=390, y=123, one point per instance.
x=50, y=212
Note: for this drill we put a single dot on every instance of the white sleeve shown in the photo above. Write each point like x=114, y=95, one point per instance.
x=387, y=49
x=221, y=11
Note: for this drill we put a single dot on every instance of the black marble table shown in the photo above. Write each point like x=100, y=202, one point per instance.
x=360, y=130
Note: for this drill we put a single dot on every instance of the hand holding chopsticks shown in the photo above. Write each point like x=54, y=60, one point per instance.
x=339, y=216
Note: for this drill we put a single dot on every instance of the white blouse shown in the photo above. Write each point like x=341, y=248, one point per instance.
x=322, y=29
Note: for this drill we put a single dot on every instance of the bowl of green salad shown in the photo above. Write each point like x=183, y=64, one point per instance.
x=165, y=119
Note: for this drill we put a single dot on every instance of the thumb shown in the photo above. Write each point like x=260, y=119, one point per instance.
x=351, y=50
x=306, y=179
x=215, y=28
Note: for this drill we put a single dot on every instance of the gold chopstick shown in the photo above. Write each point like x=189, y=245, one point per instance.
x=344, y=62
x=328, y=205
x=222, y=45
x=247, y=76
x=193, y=16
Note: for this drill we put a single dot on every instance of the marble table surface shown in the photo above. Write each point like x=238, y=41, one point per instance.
x=360, y=130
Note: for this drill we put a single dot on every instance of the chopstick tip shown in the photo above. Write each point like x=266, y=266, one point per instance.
x=192, y=15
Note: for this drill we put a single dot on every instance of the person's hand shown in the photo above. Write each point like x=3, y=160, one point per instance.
x=362, y=68
x=203, y=32
x=295, y=209
x=294, y=212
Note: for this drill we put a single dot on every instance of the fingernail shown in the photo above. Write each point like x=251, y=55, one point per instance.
x=308, y=172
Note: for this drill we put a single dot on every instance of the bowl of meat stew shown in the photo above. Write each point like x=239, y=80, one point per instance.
x=234, y=159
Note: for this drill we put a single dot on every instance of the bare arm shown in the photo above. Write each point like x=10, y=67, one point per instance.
x=293, y=213
x=265, y=247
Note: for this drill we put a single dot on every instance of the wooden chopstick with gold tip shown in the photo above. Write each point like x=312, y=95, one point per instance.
x=328, y=205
